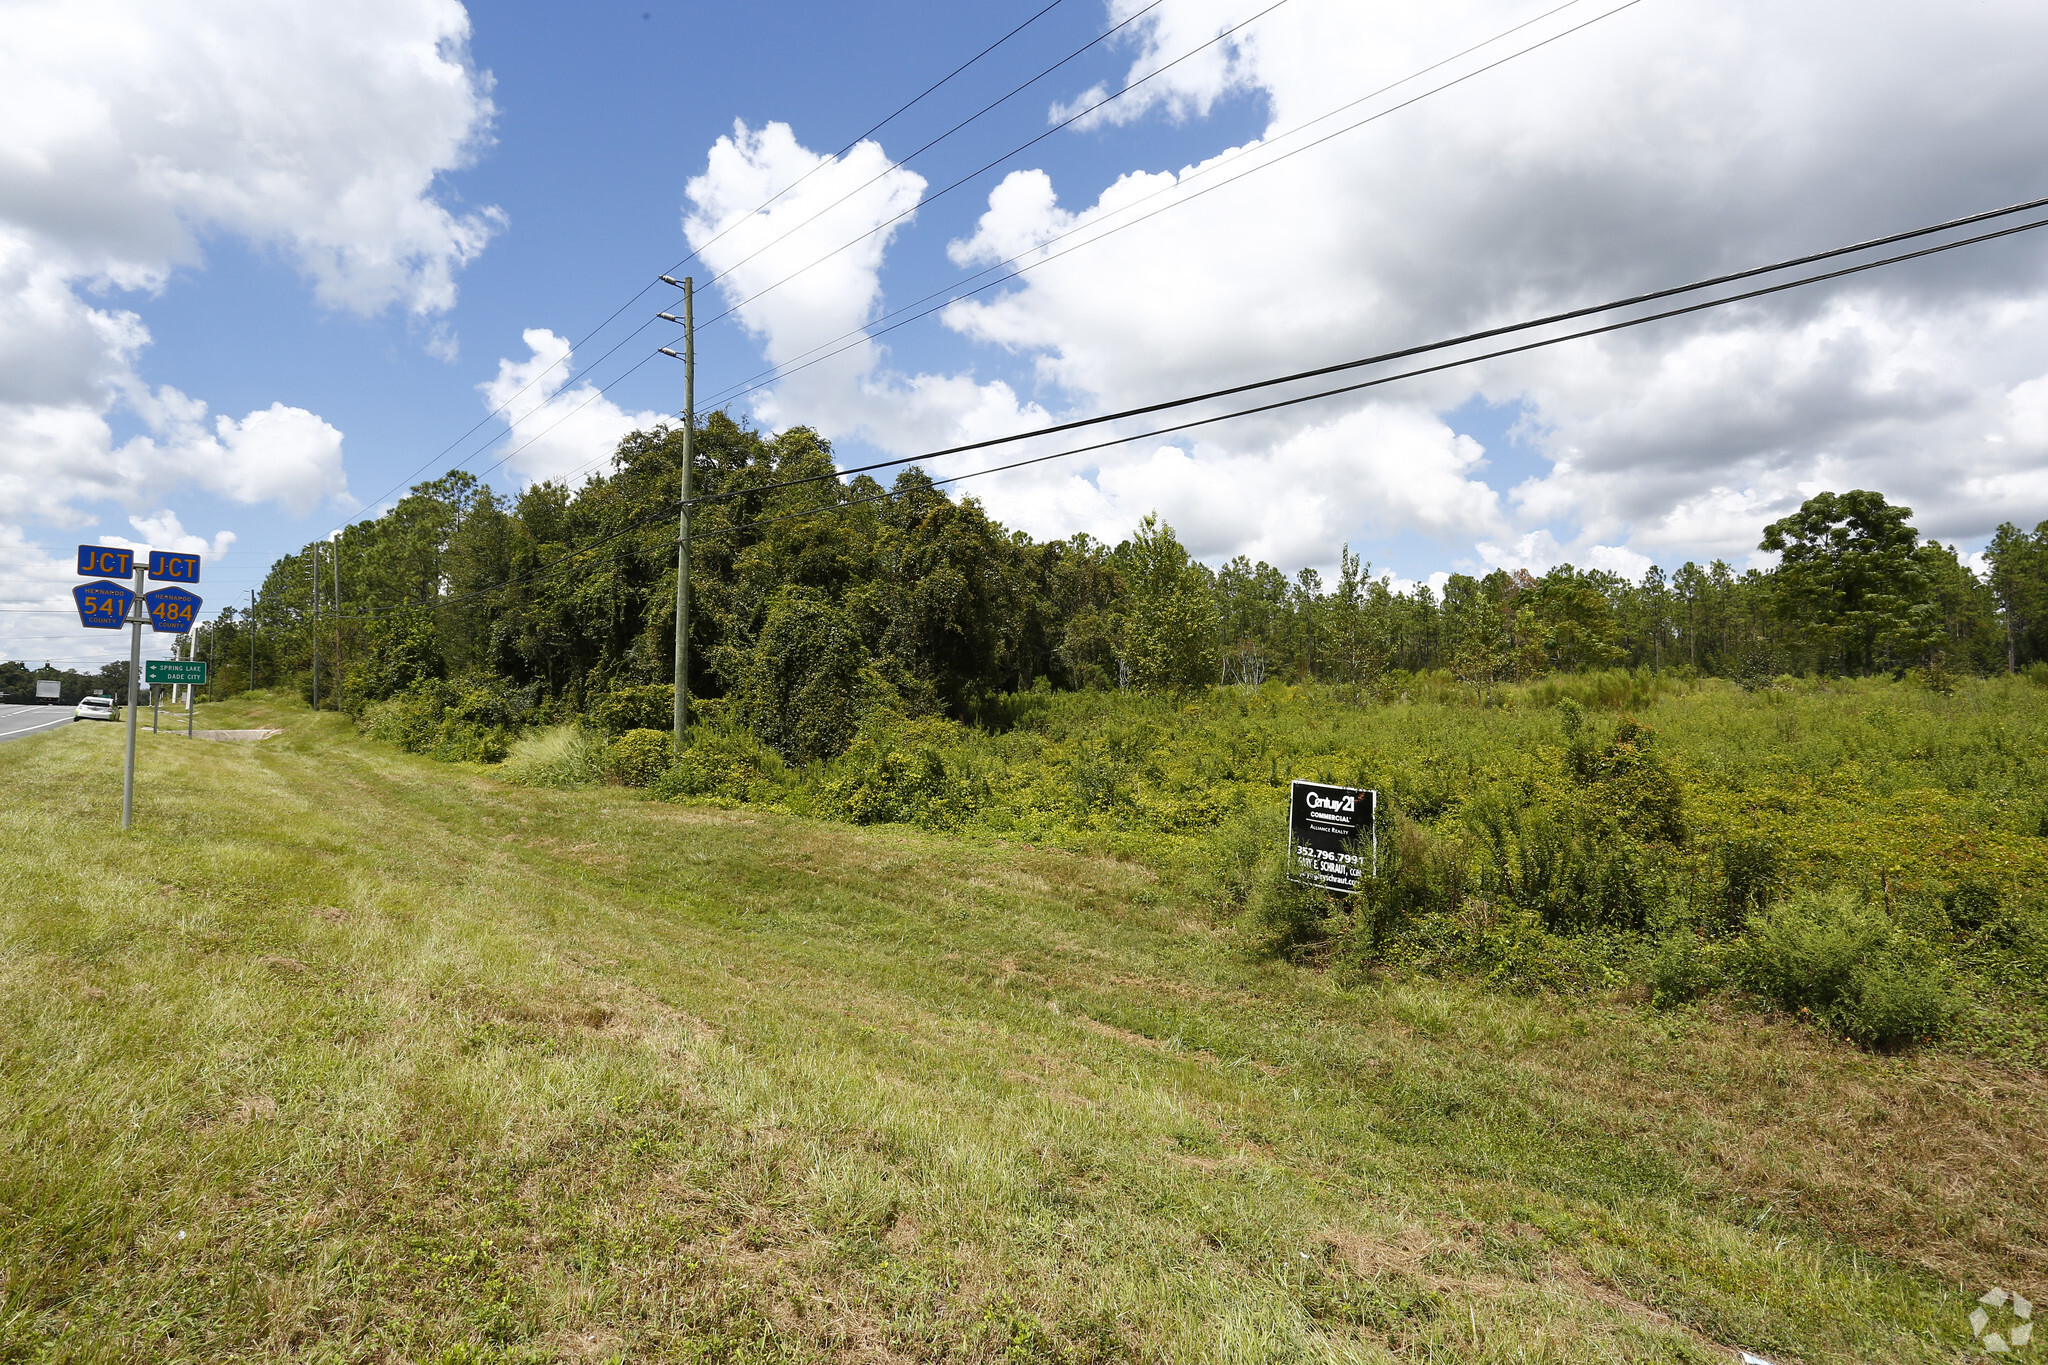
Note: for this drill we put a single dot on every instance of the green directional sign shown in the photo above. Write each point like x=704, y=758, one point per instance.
x=175, y=671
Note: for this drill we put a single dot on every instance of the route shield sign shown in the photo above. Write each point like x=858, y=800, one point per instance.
x=175, y=671
x=103, y=605
x=171, y=610
x=1332, y=835
x=104, y=561
x=165, y=567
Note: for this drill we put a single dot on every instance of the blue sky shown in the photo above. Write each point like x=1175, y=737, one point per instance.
x=349, y=222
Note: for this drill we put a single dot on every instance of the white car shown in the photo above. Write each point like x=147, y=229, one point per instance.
x=94, y=708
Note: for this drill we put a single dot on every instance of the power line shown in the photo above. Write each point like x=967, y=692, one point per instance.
x=934, y=198
x=1371, y=383
x=621, y=343
x=642, y=292
x=953, y=294
x=865, y=334
x=904, y=160
x=1488, y=334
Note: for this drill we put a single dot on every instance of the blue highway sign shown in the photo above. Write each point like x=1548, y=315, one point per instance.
x=165, y=567
x=102, y=605
x=104, y=561
x=171, y=610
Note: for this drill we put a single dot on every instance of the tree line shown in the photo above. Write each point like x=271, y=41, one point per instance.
x=816, y=597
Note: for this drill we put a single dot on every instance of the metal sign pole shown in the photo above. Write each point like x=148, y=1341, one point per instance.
x=137, y=614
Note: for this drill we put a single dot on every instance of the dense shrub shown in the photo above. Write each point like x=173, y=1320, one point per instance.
x=1570, y=873
x=723, y=762
x=635, y=708
x=896, y=771
x=1294, y=915
x=808, y=681
x=1830, y=955
x=638, y=757
x=467, y=720
x=1751, y=873
x=1682, y=969
x=1627, y=782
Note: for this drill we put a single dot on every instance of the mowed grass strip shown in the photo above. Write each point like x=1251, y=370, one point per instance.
x=345, y=1055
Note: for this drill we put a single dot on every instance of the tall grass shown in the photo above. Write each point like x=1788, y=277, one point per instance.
x=560, y=756
x=1609, y=810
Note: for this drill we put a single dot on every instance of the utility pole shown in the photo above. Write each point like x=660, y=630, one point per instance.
x=688, y=284
x=316, y=625
x=252, y=641
x=137, y=614
x=337, y=618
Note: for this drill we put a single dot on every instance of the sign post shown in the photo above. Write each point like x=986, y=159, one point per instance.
x=136, y=616
x=1332, y=835
x=106, y=605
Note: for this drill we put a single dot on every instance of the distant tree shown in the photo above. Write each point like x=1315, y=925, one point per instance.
x=1169, y=631
x=1848, y=572
x=2019, y=585
x=1575, y=619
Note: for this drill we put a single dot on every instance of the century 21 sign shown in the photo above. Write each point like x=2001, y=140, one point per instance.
x=1332, y=835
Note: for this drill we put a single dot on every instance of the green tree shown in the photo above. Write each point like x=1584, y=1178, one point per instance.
x=2019, y=584
x=1847, y=572
x=808, y=681
x=1169, y=630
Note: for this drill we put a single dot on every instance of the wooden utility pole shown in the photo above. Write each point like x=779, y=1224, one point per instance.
x=337, y=620
x=689, y=359
x=316, y=625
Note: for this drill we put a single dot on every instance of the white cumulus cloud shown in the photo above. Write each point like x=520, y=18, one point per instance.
x=1661, y=144
x=555, y=432
x=137, y=130
x=832, y=289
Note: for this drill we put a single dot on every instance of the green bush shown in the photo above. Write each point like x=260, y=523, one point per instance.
x=1830, y=956
x=638, y=757
x=469, y=720
x=635, y=708
x=1573, y=873
x=1293, y=916
x=1681, y=970
x=896, y=771
x=1419, y=874
x=561, y=756
x=1751, y=874
x=724, y=762
x=808, y=681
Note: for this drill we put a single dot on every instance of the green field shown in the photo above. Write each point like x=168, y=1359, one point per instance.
x=347, y=1054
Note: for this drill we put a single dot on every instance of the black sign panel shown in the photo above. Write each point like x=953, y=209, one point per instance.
x=1330, y=835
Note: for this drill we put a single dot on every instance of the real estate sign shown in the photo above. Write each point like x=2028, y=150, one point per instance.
x=1332, y=835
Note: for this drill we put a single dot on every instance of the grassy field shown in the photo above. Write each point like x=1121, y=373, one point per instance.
x=350, y=1055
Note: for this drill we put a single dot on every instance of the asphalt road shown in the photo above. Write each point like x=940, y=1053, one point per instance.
x=16, y=721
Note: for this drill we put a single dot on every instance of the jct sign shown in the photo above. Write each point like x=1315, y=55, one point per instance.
x=1332, y=837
